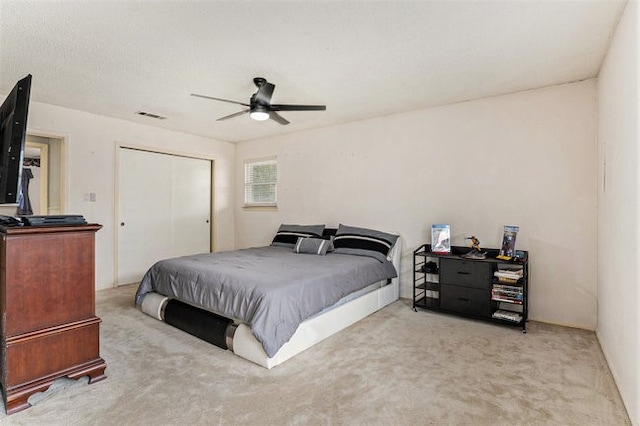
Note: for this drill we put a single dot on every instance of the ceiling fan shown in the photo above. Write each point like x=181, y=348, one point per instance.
x=260, y=107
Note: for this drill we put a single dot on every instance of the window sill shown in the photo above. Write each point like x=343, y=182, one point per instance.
x=260, y=207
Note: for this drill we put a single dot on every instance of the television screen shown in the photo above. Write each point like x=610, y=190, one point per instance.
x=13, y=130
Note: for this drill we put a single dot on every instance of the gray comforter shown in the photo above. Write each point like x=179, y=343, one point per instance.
x=272, y=289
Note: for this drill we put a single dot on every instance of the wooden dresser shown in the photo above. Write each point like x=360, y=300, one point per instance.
x=48, y=327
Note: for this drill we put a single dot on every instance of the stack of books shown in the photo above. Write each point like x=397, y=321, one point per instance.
x=508, y=275
x=507, y=315
x=507, y=293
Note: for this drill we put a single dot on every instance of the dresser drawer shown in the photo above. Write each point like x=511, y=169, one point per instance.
x=466, y=273
x=465, y=300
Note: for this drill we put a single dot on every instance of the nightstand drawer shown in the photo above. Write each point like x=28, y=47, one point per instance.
x=466, y=273
x=465, y=300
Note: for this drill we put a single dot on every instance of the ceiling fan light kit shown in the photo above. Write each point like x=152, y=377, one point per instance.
x=260, y=106
x=259, y=113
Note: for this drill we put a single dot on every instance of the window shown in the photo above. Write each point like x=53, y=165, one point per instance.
x=260, y=182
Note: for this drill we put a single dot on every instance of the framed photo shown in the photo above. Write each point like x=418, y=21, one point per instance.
x=440, y=238
x=509, y=241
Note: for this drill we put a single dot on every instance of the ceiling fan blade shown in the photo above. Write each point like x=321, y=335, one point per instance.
x=264, y=93
x=278, y=118
x=219, y=99
x=280, y=107
x=235, y=114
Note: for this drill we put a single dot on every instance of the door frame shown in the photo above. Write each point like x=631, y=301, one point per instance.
x=116, y=191
x=43, y=197
x=63, y=182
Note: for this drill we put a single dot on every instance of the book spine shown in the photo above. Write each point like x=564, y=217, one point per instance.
x=506, y=299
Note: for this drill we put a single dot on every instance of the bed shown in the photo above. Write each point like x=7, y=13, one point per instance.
x=267, y=304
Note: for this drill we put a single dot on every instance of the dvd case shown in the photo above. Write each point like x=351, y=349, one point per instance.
x=440, y=238
x=509, y=241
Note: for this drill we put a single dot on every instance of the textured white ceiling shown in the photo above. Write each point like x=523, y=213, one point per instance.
x=362, y=59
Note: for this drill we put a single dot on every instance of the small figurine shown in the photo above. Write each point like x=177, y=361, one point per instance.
x=475, y=243
x=475, y=252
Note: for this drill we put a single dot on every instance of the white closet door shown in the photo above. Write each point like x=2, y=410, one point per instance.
x=191, y=206
x=164, y=210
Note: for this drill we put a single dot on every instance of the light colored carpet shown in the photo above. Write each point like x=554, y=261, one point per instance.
x=395, y=367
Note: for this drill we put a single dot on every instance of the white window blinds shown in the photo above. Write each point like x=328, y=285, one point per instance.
x=260, y=182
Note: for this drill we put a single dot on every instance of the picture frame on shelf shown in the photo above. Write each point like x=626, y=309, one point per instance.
x=508, y=248
x=441, y=238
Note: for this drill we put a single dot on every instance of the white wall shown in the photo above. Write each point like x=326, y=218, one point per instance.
x=527, y=159
x=618, y=210
x=91, y=153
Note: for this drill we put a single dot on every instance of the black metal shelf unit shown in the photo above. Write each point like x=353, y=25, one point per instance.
x=489, y=289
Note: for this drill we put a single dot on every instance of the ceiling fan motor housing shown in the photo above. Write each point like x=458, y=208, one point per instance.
x=259, y=81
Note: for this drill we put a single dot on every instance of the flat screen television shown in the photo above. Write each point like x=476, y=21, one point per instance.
x=13, y=131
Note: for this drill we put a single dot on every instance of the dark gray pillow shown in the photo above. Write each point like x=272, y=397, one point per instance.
x=288, y=235
x=312, y=246
x=363, y=241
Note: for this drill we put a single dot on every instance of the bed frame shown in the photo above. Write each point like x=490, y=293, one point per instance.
x=243, y=343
